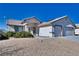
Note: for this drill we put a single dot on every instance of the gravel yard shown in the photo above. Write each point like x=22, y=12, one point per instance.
x=38, y=47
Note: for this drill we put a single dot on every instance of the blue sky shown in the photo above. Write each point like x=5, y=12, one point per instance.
x=42, y=11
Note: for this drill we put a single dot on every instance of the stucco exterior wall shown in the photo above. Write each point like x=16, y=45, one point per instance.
x=25, y=28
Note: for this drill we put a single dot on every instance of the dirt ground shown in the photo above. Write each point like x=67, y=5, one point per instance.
x=38, y=47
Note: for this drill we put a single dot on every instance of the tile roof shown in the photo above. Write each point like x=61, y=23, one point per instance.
x=31, y=20
x=14, y=22
x=25, y=20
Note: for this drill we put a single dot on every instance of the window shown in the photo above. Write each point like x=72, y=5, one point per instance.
x=16, y=28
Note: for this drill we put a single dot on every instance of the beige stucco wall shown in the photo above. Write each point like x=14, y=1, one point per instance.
x=25, y=28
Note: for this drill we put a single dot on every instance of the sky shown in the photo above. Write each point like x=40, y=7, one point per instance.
x=43, y=11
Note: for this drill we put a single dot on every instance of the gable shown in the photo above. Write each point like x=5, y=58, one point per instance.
x=31, y=20
x=65, y=21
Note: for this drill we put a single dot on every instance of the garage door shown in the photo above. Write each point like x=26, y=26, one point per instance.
x=58, y=31
x=45, y=31
x=69, y=32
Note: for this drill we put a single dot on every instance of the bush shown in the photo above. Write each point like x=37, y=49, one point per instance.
x=9, y=34
x=17, y=35
x=23, y=34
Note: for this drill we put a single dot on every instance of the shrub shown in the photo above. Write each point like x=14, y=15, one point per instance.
x=17, y=35
x=23, y=34
x=9, y=34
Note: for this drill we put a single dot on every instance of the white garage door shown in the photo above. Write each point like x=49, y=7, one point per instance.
x=45, y=31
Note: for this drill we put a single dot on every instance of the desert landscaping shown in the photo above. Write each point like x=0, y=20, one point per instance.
x=39, y=47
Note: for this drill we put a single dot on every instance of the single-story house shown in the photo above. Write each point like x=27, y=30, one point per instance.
x=61, y=26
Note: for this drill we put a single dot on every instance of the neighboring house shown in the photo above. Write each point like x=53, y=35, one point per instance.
x=77, y=30
x=61, y=26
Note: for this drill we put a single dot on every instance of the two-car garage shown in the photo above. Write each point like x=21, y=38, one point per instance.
x=58, y=27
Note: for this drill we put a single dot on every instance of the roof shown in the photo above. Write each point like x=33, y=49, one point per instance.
x=48, y=23
x=57, y=19
x=31, y=20
x=14, y=22
x=21, y=23
x=53, y=20
x=44, y=24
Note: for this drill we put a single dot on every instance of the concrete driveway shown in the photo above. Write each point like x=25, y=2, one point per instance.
x=38, y=47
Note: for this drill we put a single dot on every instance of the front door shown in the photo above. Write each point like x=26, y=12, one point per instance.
x=58, y=31
x=34, y=30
